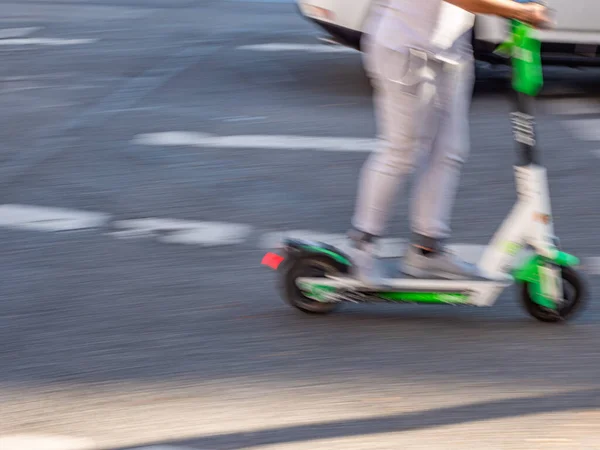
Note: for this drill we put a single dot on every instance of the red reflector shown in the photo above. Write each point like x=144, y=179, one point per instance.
x=272, y=260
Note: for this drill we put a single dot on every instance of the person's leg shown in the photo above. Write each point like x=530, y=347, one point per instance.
x=399, y=114
x=435, y=189
x=437, y=184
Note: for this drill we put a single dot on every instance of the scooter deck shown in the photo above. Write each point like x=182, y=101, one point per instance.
x=405, y=284
x=397, y=288
x=396, y=280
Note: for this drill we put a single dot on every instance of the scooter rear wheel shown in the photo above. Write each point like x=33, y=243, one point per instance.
x=574, y=295
x=309, y=266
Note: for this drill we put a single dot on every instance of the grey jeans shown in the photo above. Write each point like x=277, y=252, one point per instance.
x=429, y=137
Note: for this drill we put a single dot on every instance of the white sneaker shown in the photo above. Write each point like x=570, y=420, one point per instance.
x=366, y=267
x=438, y=265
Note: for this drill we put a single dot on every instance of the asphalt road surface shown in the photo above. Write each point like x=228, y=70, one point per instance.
x=151, y=150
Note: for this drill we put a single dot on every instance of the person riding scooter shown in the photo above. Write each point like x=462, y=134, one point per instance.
x=420, y=131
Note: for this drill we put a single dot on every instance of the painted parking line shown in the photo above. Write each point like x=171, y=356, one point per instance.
x=266, y=142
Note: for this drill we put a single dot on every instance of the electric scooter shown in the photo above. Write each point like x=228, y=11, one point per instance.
x=314, y=277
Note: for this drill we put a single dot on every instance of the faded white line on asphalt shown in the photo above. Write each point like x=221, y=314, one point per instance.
x=584, y=129
x=570, y=106
x=186, y=232
x=39, y=218
x=242, y=118
x=45, y=76
x=387, y=248
x=17, y=32
x=591, y=265
x=139, y=108
x=170, y=231
x=312, y=48
x=203, y=233
x=57, y=105
x=23, y=88
x=46, y=41
x=190, y=139
x=42, y=442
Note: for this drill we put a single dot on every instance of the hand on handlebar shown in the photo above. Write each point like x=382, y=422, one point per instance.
x=537, y=16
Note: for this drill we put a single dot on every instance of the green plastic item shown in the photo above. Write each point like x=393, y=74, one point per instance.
x=524, y=49
x=335, y=256
x=530, y=273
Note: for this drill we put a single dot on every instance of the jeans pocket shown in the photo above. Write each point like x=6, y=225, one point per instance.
x=404, y=69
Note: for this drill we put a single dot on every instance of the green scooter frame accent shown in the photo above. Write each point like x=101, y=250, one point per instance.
x=335, y=256
x=529, y=273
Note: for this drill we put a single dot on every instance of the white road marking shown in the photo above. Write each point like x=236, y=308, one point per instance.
x=242, y=118
x=387, y=248
x=17, y=32
x=191, y=139
x=56, y=105
x=201, y=233
x=121, y=110
x=570, y=106
x=44, y=76
x=23, y=88
x=46, y=41
x=469, y=252
x=273, y=240
x=40, y=218
x=187, y=232
x=42, y=442
x=311, y=48
x=584, y=129
x=591, y=265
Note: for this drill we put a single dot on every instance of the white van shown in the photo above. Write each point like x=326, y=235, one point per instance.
x=574, y=41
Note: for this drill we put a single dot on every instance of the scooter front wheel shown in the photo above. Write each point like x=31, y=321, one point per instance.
x=574, y=298
x=308, y=266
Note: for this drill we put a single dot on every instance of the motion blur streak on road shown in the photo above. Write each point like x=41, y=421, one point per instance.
x=134, y=311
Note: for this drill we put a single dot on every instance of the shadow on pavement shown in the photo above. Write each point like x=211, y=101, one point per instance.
x=475, y=412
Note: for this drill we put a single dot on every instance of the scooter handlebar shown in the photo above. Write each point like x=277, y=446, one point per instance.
x=551, y=13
